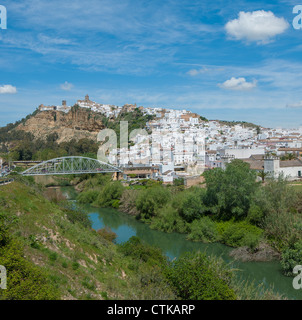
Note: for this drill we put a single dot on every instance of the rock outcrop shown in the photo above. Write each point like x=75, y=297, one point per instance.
x=263, y=253
x=77, y=124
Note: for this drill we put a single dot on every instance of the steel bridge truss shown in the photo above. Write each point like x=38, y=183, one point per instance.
x=70, y=165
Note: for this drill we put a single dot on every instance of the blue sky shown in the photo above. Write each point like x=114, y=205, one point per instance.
x=228, y=60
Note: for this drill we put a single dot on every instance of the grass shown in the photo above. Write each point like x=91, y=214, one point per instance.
x=78, y=260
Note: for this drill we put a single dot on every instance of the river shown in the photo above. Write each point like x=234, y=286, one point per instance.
x=174, y=244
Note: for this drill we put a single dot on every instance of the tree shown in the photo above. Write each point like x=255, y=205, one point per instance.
x=151, y=200
x=110, y=195
x=192, y=207
x=262, y=174
x=229, y=192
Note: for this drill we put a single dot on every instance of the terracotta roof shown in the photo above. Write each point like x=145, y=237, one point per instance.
x=167, y=172
x=255, y=164
x=290, y=149
x=257, y=157
x=290, y=163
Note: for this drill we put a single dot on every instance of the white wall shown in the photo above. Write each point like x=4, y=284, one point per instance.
x=242, y=153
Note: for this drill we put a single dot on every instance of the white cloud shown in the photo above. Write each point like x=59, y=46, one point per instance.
x=196, y=72
x=7, y=89
x=239, y=84
x=66, y=86
x=55, y=40
x=294, y=105
x=260, y=26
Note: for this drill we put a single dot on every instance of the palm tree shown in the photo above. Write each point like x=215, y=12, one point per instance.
x=291, y=156
x=262, y=174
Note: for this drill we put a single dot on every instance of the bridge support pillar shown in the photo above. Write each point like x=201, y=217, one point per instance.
x=117, y=176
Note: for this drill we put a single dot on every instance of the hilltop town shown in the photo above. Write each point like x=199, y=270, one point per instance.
x=184, y=144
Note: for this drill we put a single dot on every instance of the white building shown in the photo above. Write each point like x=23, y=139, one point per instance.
x=290, y=169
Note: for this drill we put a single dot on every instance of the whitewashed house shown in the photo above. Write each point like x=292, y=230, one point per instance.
x=290, y=169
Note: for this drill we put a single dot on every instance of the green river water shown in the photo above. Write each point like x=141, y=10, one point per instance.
x=174, y=244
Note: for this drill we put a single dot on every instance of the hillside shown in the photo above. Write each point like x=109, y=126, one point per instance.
x=64, y=257
x=77, y=124
x=51, y=252
x=244, y=124
x=49, y=134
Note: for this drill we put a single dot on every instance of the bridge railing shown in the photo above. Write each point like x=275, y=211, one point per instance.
x=70, y=165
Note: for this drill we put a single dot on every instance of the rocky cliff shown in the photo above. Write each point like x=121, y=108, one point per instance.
x=76, y=124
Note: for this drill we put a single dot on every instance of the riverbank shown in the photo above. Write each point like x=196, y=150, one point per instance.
x=61, y=257
x=265, y=274
x=262, y=253
x=161, y=208
x=263, y=220
x=57, y=254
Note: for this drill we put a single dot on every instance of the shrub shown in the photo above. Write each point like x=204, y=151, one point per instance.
x=107, y=234
x=25, y=280
x=109, y=194
x=75, y=265
x=179, y=182
x=194, y=277
x=139, y=251
x=255, y=215
x=252, y=241
x=291, y=257
x=168, y=220
x=115, y=204
x=88, y=196
x=279, y=203
x=204, y=230
x=151, y=200
x=53, y=256
x=76, y=216
x=230, y=191
x=192, y=207
x=34, y=243
x=128, y=202
x=237, y=234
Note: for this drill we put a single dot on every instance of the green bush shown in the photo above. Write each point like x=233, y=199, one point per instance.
x=88, y=196
x=53, y=256
x=281, y=205
x=194, y=277
x=230, y=192
x=192, y=207
x=151, y=200
x=76, y=216
x=255, y=215
x=204, y=230
x=75, y=265
x=237, y=234
x=291, y=257
x=139, y=251
x=25, y=281
x=109, y=194
x=168, y=220
x=107, y=234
